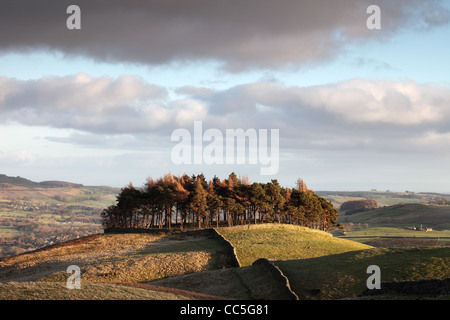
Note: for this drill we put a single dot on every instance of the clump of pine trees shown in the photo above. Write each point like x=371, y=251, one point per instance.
x=193, y=202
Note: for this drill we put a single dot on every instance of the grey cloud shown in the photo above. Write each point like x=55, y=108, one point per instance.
x=239, y=34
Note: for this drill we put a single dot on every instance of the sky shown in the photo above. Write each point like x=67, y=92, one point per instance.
x=356, y=108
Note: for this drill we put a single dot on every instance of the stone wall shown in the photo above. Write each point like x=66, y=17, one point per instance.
x=278, y=275
x=229, y=246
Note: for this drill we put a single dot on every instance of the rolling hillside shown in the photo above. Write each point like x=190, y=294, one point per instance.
x=197, y=261
x=317, y=265
x=345, y=275
x=401, y=215
x=383, y=198
x=194, y=265
x=108, y=262
x=37, y=214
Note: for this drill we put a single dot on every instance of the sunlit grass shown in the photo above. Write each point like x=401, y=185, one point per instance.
x=284, y=242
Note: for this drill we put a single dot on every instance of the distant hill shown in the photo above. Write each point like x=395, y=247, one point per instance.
x=401, y=215
x=18, y=181
x=22, y=182
x=354, y=206
x=383, y=198
x=60, y=184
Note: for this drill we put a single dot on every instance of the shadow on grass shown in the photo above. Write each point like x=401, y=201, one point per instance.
x=345, y=275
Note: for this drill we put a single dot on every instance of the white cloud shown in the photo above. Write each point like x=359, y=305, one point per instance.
x=349, y=114
x=396, y=103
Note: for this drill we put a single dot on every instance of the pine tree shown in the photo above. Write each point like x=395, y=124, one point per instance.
x=193, y=200
x=199, y=201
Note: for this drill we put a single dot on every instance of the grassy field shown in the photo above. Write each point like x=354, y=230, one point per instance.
x=344, y=275
x=282, y=242
x=8, y=232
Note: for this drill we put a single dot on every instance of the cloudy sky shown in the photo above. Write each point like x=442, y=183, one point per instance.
x=356, y=108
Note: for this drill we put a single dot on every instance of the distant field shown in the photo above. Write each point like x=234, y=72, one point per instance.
x=397, y=237
x=8, y=232
x=35, y=215
x=398, y=232
x=402, y=215
x=85, y=196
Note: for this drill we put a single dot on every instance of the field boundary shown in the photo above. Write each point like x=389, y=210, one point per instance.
x=278, y=275
x=231, y=249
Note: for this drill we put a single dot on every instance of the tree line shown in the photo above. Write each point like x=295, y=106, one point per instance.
x=193, y=202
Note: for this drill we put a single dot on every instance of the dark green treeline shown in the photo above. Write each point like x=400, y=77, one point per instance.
x=191, y=201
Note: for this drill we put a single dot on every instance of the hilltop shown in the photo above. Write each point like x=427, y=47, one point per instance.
x=110, y=261
x=284, y=242
x=7, y=181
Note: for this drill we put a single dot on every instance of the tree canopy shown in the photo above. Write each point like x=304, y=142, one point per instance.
x=192, y=201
